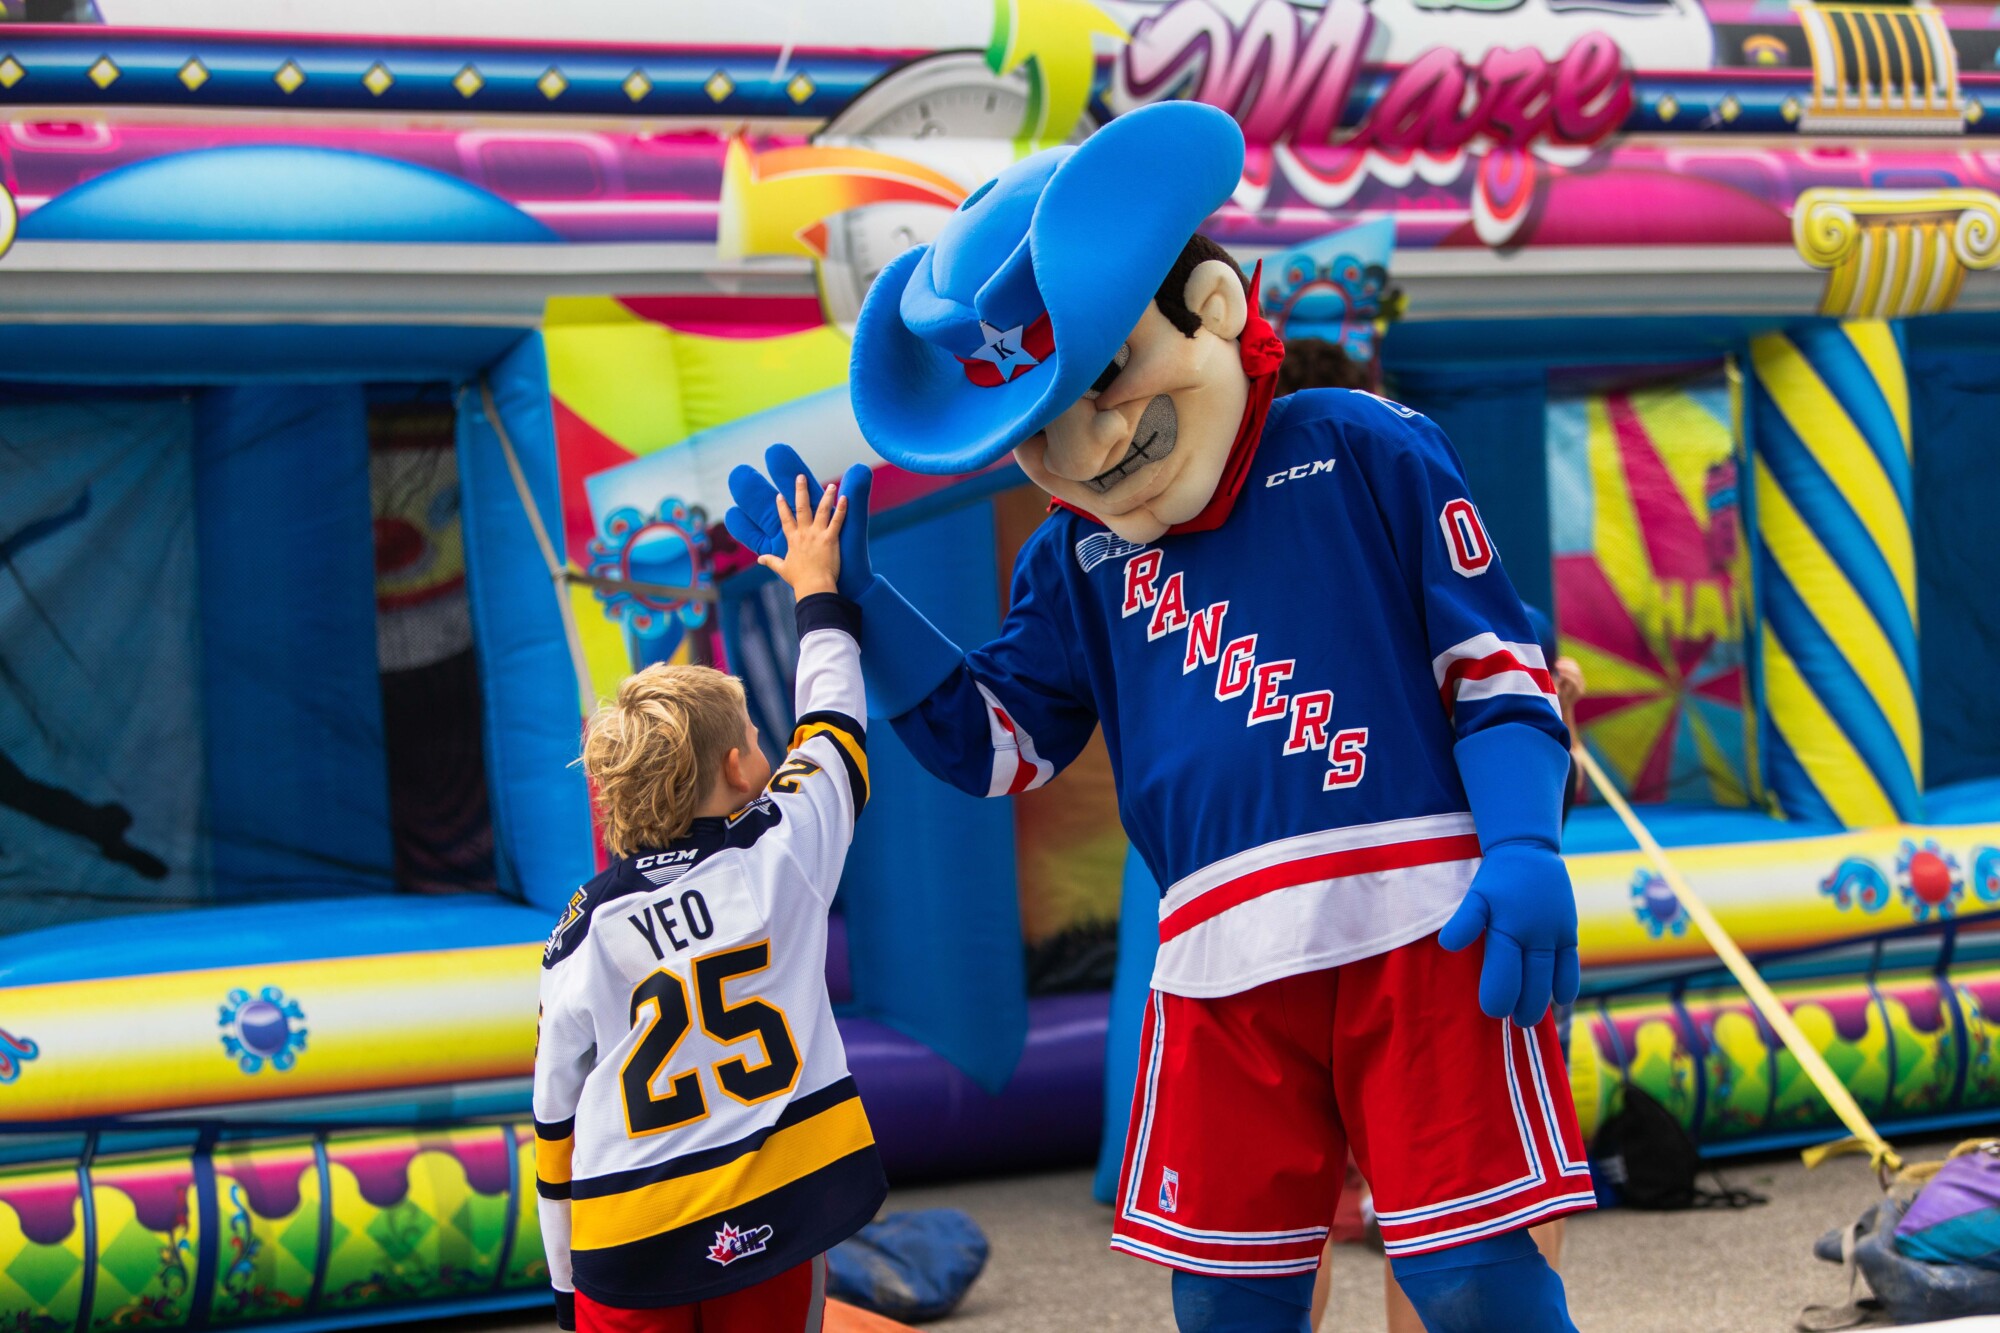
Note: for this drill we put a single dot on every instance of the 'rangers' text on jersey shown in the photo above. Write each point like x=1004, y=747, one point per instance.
x=1321, y=652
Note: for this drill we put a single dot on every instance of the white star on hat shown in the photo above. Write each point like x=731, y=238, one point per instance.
x=1003, y=348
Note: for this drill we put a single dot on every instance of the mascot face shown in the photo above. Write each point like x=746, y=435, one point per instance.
x=1144, y=448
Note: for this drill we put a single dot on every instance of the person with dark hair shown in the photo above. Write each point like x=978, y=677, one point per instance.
x=1316, y=363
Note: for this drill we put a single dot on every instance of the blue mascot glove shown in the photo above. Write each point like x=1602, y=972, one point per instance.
x=1520, y=897
x=754, y=518
x=903, y=656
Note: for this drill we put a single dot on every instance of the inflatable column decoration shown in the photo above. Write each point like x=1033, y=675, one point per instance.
x=1829, y=428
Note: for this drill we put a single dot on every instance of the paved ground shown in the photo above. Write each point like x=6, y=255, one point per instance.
x=1696, y=1272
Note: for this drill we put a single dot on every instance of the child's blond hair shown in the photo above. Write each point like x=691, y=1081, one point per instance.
x=653, y=753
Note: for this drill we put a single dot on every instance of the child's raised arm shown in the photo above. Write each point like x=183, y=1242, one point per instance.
x=823, y=782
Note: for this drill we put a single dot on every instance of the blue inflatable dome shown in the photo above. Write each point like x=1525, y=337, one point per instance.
x=280, y=194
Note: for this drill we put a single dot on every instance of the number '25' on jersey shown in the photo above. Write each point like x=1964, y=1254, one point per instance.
x=697, y=1130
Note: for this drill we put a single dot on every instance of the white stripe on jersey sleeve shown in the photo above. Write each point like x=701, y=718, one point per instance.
x=1016, y=766
x=830, y=675
x=1487, y=645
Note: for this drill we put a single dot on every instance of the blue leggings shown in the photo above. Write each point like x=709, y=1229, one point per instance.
x=1497, y=1285
x=1204, y=1304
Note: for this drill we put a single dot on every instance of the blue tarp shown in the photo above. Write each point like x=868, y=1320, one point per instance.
x=292, y=697
x=1954, y=401
x=1496, y=418
x=933, y=912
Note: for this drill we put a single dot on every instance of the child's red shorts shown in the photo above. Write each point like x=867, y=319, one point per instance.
x=794, y=1301
x=1247, y=1105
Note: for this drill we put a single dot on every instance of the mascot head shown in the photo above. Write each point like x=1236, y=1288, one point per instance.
x=1070, y=313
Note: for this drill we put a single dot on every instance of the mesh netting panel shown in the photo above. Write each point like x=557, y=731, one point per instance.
x=101, y=765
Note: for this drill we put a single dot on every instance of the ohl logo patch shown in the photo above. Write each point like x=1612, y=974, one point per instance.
x=731, y=1244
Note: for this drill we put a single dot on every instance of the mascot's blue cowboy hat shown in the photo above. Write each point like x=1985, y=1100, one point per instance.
x=969, y=345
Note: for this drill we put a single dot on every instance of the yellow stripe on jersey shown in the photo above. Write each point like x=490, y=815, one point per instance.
x=790, y=1154
x=552, y=1159
x=850, y=744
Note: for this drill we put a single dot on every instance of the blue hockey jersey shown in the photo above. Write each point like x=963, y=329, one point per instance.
x=1280, y=695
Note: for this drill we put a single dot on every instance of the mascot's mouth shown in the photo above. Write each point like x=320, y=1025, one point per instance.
x=1152, y=440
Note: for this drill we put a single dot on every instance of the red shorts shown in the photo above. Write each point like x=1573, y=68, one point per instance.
x=1248, y=1104
x=792, y=1302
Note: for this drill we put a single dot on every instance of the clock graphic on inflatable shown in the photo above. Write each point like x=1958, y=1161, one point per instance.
x=947, y=111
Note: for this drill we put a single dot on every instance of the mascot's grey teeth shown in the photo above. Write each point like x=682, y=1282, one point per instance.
x=1153, y=439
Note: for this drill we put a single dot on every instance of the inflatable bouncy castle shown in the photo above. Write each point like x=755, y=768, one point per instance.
x=367, y=388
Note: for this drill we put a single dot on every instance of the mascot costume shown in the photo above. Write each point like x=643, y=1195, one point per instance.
x=1334, y=738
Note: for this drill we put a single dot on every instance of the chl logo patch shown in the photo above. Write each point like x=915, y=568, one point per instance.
x=1170, y=1190
x=1098, y=547
x=731, y=1244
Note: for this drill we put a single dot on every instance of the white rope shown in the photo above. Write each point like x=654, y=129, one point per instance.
x=558, y=576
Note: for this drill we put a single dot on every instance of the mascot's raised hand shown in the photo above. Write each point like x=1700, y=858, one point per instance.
x=753, y=520
x=903, y=656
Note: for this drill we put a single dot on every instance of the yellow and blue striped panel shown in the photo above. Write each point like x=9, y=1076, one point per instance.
x=1830, y=429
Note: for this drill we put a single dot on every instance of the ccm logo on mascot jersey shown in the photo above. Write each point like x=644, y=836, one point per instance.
x=1306, y=715
x=1303, y=470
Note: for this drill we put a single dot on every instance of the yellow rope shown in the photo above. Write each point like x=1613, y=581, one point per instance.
x=1865, y=1139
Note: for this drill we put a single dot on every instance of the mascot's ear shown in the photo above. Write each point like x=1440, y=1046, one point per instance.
x=1215, y=294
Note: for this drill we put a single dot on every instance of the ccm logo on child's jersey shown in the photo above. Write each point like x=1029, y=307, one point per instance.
x=1303, y=470
x=1307, y=715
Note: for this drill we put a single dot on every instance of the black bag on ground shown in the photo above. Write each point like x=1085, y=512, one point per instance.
x=1647, y=1157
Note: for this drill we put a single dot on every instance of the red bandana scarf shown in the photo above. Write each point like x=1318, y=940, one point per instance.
x=1262, y=352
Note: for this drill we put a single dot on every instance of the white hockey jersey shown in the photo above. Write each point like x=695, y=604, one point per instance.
x=696, y=1127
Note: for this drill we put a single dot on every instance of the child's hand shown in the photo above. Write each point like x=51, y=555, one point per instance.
x=811, y=562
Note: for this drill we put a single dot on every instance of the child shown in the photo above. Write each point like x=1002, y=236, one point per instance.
x=699, y=1144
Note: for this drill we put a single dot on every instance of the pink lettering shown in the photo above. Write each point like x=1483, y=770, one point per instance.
x=1348, y=760
x=1170, y=613
x=1309, y=714
x=1286, y=75
x=1204, y=641
x=1593, y=93
x=1420, y=109
x=1142, y=571
x=1266, y=704
x=1518, y=103
x=1234, y=676
x=1269, y=74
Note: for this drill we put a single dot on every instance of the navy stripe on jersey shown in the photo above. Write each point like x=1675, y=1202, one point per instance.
x=801, y=1109
x=805, y=1218
x=828, y=610
x=850, y=739
x=651, y=868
